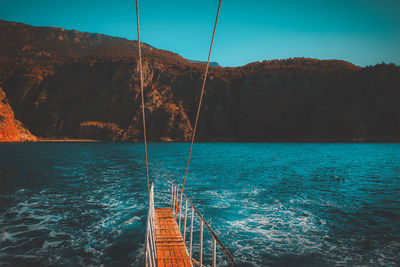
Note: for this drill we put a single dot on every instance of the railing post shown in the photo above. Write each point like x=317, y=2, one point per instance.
x=180, y=212
x=147, y=247
x=184, y=224
x=172, y=194
x=176, y=203
x=214, y=252
x=201, y=243
x=173, y=208
x=191, y=236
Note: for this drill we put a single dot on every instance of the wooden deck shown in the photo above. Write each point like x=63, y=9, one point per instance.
x=171, y=249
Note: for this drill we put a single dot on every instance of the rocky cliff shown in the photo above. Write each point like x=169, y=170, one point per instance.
x=64, y=83
x=11, y=130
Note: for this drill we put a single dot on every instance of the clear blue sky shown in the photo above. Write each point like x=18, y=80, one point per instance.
x=364, y=32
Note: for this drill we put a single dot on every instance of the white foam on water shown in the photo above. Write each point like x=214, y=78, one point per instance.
x=5, y=236
x=131, y=220
x=276, y=229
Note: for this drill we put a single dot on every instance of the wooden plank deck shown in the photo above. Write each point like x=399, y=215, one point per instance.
x=171, y=249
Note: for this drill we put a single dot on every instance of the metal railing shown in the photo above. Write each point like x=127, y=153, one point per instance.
x=177, y=199
x=151, y=252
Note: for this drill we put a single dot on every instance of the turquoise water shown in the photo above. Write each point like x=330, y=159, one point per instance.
x=80, y=204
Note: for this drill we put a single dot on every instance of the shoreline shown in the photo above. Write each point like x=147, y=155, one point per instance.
x=66, y=140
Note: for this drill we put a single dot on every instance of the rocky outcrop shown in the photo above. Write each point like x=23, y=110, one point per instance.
x=11, y=130
x=71, y=84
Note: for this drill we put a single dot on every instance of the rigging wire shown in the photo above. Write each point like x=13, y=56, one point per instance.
x=200, y=100
x=142, y=96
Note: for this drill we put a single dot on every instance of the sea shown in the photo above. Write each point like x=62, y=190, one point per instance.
x=271, y=204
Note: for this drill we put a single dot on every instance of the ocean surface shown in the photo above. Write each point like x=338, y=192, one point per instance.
x=85, y=204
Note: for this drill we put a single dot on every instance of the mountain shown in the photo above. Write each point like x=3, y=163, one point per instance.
x=70, y=84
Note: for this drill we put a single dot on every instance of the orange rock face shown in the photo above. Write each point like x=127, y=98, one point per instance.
x=11, y=130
